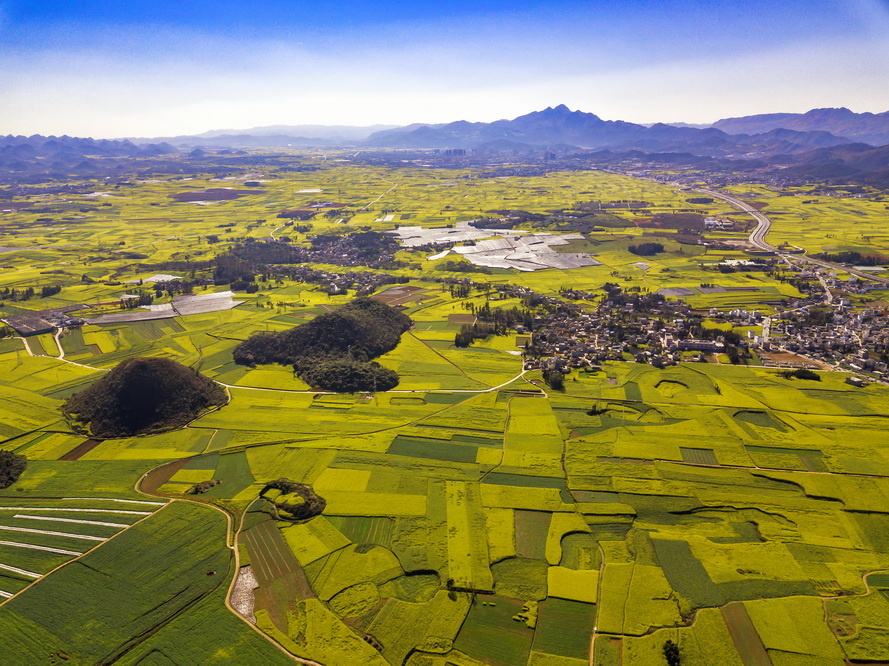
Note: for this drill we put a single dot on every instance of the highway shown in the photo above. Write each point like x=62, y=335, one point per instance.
x=764, y=224
x=757, y=239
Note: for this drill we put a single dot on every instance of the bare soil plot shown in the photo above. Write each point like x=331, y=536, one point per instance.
x=81, y=450
x=789, y=360
x=157, y=477
x=460, y=319
x=242, y=596
x=400, y=295
x=747, y=641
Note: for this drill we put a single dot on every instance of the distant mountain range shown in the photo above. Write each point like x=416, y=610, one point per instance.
x=872, y=128
x=59, y=155
x=65, y=148
x=274, y=136
x=823, y=144
x=559, y=127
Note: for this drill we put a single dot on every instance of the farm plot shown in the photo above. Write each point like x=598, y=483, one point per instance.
x=280, y=577
x=490, y=633
x=37, y=535
x=467, y=538
x=564, y=627
x=150, y=578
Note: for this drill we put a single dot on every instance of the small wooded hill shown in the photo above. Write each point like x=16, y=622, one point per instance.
x=11, y=467
x=142, y=395
x=334, y=350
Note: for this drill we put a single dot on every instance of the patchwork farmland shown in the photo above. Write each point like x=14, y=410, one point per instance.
x=479, y=512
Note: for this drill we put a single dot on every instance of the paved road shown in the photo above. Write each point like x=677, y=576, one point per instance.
x=764, y=225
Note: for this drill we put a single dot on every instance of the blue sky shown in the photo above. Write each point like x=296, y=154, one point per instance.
x=110, y=68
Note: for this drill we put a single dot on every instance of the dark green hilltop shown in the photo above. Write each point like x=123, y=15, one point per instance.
x=334, y=351
x=142, y=395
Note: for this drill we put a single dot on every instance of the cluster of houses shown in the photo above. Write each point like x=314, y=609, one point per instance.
x=645, y=330
x=856, y=340
x=362, y=282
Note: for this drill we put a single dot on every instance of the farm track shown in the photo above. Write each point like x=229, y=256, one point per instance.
x=55, y=336
x=231, y=542
x=394, y=185
x=28, y=347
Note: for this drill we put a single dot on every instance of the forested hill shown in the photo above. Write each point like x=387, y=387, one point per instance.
x=334, y=350
x=142, y=395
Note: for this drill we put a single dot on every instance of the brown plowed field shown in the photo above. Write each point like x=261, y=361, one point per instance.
x=747, y=641
x=81, y=450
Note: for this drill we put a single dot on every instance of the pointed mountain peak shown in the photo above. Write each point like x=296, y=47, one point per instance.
x=559, y=113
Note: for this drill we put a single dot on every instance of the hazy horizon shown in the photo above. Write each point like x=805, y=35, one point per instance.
x=104, y=70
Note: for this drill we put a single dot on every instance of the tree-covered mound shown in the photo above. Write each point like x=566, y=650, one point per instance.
x=11, y=467
x=291, y=500
x=142, y=395
x=334, y=351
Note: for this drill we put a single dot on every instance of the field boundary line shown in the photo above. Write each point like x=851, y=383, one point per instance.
x=98, y=545
x=231, y=542
x=447, y=360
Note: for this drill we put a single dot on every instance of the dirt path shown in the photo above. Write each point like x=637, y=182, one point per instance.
x=28, y=347
x=394, y=185
x=55, y=336
x=231, y=542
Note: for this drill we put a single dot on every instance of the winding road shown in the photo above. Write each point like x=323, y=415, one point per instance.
x=757, y=238
x=764, y=224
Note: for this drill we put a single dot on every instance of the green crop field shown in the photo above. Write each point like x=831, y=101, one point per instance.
x=473, y=514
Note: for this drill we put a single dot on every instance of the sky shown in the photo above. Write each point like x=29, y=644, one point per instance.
x=110, y=68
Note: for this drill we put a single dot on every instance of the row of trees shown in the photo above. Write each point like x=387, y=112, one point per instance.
x=26, y=294
x=855, y=258
x=492, y=321
x=469, y=333
x=646, y=249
